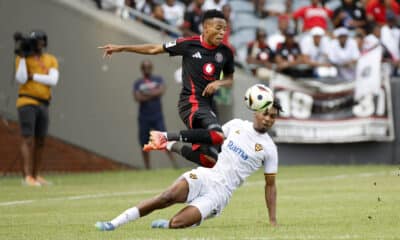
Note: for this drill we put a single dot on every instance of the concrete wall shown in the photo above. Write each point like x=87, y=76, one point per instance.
x=92, y=105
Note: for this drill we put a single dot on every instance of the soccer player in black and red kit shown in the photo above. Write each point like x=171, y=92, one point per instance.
x=204, y=57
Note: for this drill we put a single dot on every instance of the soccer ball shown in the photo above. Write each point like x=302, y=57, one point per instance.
x=258, y=98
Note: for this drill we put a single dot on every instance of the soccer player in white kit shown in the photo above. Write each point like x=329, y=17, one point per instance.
x=207, y=191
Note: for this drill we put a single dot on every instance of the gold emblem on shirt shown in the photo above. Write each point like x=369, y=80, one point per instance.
x=237, y=131
x=193, y=176
x=258, y=147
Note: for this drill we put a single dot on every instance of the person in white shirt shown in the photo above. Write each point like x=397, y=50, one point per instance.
x=390, y=38
x=315, y=48
x=207, y=191
x=173, y=12
x=214, y=4
x=344, y=54
x=278, y=37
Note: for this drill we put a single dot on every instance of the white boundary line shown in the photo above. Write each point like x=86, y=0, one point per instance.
x=156, y=191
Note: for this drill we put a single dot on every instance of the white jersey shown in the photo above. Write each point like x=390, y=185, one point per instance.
x=244, y=151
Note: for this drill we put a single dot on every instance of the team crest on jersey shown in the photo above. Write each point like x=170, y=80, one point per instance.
x=170, y=44
x=208, y=69
x=237, y=131
x=258, y=147
x=193, y=176
x=219, y=57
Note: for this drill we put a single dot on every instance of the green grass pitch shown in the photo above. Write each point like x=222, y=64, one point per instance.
x=314, y=202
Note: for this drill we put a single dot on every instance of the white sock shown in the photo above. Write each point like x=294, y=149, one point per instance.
x=130, y=214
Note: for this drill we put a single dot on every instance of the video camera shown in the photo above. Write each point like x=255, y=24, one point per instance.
x=28, y=45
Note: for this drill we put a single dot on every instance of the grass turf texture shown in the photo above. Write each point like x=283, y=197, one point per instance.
x=314, y=202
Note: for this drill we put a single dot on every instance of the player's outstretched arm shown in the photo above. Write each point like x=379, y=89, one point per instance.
x=149, y=49
x=270, y=198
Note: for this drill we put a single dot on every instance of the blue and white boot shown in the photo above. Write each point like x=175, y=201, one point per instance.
x=104, y=226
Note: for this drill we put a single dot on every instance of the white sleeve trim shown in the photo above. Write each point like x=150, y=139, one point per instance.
x=21, y=75
x=51, y=79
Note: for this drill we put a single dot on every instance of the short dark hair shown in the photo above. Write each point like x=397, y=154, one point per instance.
x=212, y=14
x=277, y=105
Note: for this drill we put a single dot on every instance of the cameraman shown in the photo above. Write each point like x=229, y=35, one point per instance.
x=36, y=72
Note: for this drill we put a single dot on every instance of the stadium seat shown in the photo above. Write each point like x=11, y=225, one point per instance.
x=269, y=24
x=244, y=20
x=242, y=37
x=239, y=6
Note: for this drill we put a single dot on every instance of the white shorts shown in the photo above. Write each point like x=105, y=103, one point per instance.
x=206, y=192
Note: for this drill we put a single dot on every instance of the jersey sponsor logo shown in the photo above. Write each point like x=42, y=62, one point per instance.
x=236, y=149
x=208, y=69
x=219, y=57
x=258, y=147
x=170, y=44
x=197, y=55
x=237, y=131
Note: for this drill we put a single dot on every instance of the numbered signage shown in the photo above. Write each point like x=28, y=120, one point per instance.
x=318, y=112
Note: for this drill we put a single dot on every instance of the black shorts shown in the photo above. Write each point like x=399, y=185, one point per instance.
x=33, y=120
x=145, y=125
x=203, y=117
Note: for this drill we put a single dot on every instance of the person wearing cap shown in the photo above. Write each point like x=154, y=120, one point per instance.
x=289, y=58
x=344, y=53
x=315, y=50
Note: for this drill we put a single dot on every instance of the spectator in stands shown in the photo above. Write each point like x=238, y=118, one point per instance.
x=350, y=14
x=359, y=38
x=315, y=50
x=279, y=37
x=158, y=14
x=259, y=56
x=390, y=38
x=36, y=72
x=192, y=19
x=173, y=12
x=117, y=6
x=214, y=4
x=377, y=10
x=261, y=11
x=314, y=15
x=147, y=91
x=289, y=59
x=344, y=54
x=146, y=6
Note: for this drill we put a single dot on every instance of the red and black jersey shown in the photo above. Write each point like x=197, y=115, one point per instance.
x=201, y=64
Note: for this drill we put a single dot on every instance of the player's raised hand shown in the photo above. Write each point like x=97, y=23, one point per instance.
x=211, y=88
x=110, y=49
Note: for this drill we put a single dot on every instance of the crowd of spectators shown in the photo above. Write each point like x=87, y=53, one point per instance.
x=310, y=40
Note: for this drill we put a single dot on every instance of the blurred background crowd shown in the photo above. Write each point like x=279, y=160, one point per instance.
x=300, y=38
